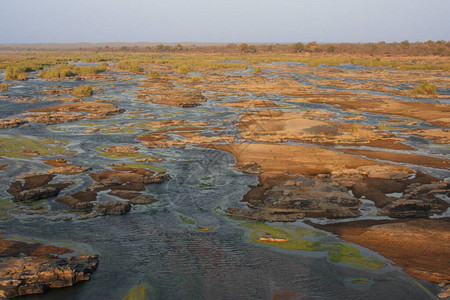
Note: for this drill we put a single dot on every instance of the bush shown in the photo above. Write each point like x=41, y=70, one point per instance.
x=84, y=90
x=60, y=72
x=131, y=66
x=257, y=71
x=183, y=69
x=153, y=74
x=16, y=73
x=3, y=87
x=425, y=89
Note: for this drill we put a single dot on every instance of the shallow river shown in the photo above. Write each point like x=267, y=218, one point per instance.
x=159, y=246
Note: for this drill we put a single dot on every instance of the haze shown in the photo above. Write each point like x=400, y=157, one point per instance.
x=253, y=21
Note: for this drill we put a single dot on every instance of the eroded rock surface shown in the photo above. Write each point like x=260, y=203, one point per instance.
x=11, y=123
x=34, y=268
x=35, y=188
x=35, y=275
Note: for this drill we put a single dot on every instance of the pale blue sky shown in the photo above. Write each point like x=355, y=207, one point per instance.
x=252, y=21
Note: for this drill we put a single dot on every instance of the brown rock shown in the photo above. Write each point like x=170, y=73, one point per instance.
x=113, y=207
x=68, y=169
x=143, y=199
x=123, y=149
x=419, y=246
x=34, y=275
x=11, y=123
x=250, y=168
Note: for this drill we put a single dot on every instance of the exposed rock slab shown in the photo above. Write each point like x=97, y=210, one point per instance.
x=12, y=123
x=420, y=246
x=35, y=275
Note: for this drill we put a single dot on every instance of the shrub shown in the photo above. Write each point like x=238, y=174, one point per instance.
x=183, y=69
x=196, y=79
x=60, y=72
x=257, y=71
x=131, y=66
x=84, y=90
x=153, y=74
x=3, y=87
x=298, y=47
x=425, y=88
x=16, y=73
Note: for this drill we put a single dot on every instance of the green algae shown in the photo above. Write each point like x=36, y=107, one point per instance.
x=187, y=220
x=138, y=292
x=303, y=240
x=190, y=221
x=29, y=147
x=5, y=206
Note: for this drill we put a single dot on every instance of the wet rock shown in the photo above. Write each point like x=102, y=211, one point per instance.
x=83, y=207
x=76, y=201
x=313, y=197
x=126, y=179
x=404, y=208
x=113, y=207
x=32, y=195
x=90, y=215
x=11, y=123
x=418, y=201
x=35, y=275
x=266, y=215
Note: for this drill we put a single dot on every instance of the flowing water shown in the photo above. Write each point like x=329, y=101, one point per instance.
x=160, y=245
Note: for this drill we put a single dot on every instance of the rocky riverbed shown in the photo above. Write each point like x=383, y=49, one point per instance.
x=193, y=181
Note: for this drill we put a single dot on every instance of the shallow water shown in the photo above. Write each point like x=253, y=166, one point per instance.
x=152, y=245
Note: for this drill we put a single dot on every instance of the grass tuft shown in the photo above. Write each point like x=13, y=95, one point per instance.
x=425, y=88
x=84, y=90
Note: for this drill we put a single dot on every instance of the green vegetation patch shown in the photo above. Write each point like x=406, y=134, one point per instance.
x=130, y=66
x=16, y=73
x=296, y=239
x=59, y=72
x=84, y=90
x=425, y=88
x=190, y=221
x=153, y=74
x=138, y=292
x=5, y=206
x=29, y=147
x=187, y=220
x=3, y=87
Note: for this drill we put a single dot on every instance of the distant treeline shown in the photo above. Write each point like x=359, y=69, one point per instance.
x=440, y=48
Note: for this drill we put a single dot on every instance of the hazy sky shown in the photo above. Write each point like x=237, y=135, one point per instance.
x=34, y=21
